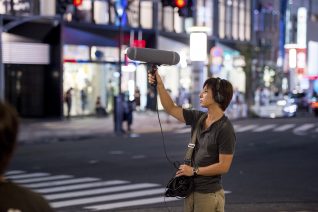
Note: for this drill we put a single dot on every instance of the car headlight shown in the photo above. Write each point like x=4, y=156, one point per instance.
x=290, y=109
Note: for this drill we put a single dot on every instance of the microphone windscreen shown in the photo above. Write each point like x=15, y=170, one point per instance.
x=153, y=56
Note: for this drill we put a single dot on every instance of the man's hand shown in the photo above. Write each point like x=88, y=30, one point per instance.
x=184, y=170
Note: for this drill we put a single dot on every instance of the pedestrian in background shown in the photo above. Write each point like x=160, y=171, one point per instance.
x=214, y=148
x=128, y=108
x=99, y=109
x=137, y=98
x=14, y=198
x=68, y=101
x=83, y=100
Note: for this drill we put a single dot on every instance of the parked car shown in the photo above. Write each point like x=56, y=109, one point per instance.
x=285, y=107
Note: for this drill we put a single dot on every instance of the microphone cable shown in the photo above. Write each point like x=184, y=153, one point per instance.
x=175, y=164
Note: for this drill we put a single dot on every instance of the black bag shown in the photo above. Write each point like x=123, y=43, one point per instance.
x=183, y=186
x=180, y=187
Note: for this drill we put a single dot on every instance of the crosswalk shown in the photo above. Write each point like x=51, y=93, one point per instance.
x=300, y=129
x=89, y=193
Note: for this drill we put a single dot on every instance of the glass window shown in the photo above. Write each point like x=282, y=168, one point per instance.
x=228, y=21
x=248, y=21
x=146, y=14
x=242, y=20
x=101, y=12
x=235, y=19
x=168, y=19
x=221, y=19
x=209, y=14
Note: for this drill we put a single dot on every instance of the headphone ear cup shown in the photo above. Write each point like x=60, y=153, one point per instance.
x=218, y=97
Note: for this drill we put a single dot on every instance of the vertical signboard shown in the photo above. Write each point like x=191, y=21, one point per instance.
x=302, y=27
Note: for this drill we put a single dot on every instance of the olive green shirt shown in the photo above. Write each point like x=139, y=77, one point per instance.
x=219, y=138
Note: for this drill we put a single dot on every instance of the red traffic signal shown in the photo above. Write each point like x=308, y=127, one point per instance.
x=180, y=3
x=77, y=3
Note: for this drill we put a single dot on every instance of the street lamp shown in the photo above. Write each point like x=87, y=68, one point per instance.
x=198, y=55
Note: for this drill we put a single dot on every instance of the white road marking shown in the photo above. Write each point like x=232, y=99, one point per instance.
x=264, y=128
x=13, y=172
x=57, y=177
x=20, y=176
x=302, y=130
x=61, y=182
x=284, y=127
x=246, y=128
x=80, y=186
x=131, y=203
x=100, y=191
x=106, y=198
x=95, y=195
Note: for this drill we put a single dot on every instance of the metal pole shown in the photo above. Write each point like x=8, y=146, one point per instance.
x=118, y=110
x=2, y=75
x=119, y=53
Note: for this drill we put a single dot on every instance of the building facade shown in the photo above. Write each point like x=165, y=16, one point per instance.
x=79, y=47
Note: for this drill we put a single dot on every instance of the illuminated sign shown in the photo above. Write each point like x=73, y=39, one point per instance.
x=296, y=58
x=302, y=27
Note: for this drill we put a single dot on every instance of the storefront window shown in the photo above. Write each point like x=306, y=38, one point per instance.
x=89, y=81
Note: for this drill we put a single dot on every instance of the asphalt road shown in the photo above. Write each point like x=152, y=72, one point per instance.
x=274, y=169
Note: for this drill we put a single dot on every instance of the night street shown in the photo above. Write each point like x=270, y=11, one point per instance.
x=274, y=169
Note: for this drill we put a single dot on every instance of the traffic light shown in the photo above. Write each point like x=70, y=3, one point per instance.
x=185, y=7
x=180, y=3
x=77, y=3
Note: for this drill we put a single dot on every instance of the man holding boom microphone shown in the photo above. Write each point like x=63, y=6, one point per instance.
x=215, y=144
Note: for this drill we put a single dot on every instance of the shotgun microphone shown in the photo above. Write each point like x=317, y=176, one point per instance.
x=153, y=56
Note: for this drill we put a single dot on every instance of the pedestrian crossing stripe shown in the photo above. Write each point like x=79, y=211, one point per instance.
x=15, y=177
x=80, y=186
x=110, y=197
x=264, y=128
x=33, y=180
x=301, y=130
x=66, y=191
x=61, y=182
x=91, y=193
x=298, y=130
x=13, y=172
x=284, y=127
x=100, y=191
x=130, y=203
x=246, y=128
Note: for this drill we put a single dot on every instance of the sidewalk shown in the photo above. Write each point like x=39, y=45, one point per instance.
x=88, y=127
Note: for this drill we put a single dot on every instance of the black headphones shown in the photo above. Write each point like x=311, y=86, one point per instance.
x=218, y=97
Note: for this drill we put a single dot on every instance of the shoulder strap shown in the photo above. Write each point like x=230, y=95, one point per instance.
x=189, y=152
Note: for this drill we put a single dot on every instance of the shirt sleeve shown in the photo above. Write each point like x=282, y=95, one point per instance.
x=191, y=116
x=227, y=139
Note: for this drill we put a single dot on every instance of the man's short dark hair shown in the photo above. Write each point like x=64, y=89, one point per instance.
x=222, y=88
x=9, y=124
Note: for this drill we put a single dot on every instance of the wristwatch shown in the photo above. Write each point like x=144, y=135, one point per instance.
x=195, y=170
